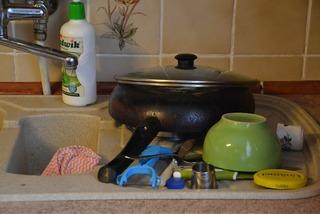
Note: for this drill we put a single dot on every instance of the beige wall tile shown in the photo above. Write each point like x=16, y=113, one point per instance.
x=270, y=26
x=313, y=68
x=218, y=62
x=270, y=68
x=56, y=20
x=202, y=26
x=7, y=68
x=108, y=67
x=24, y=30
x=314, y=37
x=55, y=70
x=147, y=35
x=4, y=48
x=27, y=69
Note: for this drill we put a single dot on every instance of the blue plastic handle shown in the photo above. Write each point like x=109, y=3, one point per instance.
x=145, y=167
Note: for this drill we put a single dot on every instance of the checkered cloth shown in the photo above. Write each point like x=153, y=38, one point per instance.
x=72, y=160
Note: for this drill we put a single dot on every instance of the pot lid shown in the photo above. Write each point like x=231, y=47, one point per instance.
x=186, y=74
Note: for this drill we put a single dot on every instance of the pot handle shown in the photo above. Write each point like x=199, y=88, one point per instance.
x=140, y=139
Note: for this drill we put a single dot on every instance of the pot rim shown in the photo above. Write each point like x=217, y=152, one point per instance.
x=186, y=74
x=183, y=83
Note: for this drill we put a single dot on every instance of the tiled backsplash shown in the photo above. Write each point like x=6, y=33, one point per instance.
x=265, y=39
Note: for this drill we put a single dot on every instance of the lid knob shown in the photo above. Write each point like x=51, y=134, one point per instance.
x=185, y=61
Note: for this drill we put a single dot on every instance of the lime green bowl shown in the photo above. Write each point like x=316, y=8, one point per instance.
x=242, y=142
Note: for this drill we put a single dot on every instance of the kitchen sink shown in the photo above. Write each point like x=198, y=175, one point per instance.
x=33, y=128
x=41, y=136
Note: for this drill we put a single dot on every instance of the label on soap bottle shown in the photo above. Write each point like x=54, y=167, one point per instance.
x=71, y=86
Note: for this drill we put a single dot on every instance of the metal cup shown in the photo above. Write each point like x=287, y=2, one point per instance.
x=203, y=176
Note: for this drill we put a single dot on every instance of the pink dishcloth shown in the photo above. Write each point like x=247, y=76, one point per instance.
x=72, y=160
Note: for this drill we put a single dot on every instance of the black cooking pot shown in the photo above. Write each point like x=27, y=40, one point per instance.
x=184, y=100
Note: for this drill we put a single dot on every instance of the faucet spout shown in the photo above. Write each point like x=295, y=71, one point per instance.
x=38, y=11
x=70, y=61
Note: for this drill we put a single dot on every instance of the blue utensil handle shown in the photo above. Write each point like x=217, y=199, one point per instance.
x=140, y=139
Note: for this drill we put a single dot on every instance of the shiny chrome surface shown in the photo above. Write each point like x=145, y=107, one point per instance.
x=186, y=74
x=37, y=10
x=186, y=79
x=69, y=60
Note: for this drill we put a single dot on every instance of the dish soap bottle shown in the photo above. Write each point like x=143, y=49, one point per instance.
x=77, y=37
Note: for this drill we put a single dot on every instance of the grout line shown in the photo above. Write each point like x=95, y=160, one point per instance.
x=162, y=55
x=14, y=34
x=233, y=33
x=203, y=55
x=267, y=55
x=306, y=44
x=313, y=55
x=13, y=26
x=127, y=55
x=15, y=67
x=88, y=17
x=161, y=33
x=7, y=53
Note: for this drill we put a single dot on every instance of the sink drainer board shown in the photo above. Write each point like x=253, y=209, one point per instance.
x=20, y=180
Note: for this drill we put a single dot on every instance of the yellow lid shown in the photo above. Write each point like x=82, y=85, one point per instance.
x=280, y=179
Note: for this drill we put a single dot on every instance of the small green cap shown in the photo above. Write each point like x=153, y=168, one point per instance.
x=77, y=11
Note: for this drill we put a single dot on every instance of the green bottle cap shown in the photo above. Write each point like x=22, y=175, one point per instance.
x=77, y=11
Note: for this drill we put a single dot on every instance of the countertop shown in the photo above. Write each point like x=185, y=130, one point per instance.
x=310, y=103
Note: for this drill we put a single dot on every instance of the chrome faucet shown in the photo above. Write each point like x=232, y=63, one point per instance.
x=39, y=11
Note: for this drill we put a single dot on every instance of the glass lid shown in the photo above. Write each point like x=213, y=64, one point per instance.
x=186, y=74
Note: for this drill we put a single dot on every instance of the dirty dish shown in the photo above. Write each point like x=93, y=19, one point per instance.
x=242, y=142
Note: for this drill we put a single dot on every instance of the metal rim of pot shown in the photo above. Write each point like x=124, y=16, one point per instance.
x=186, y=74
